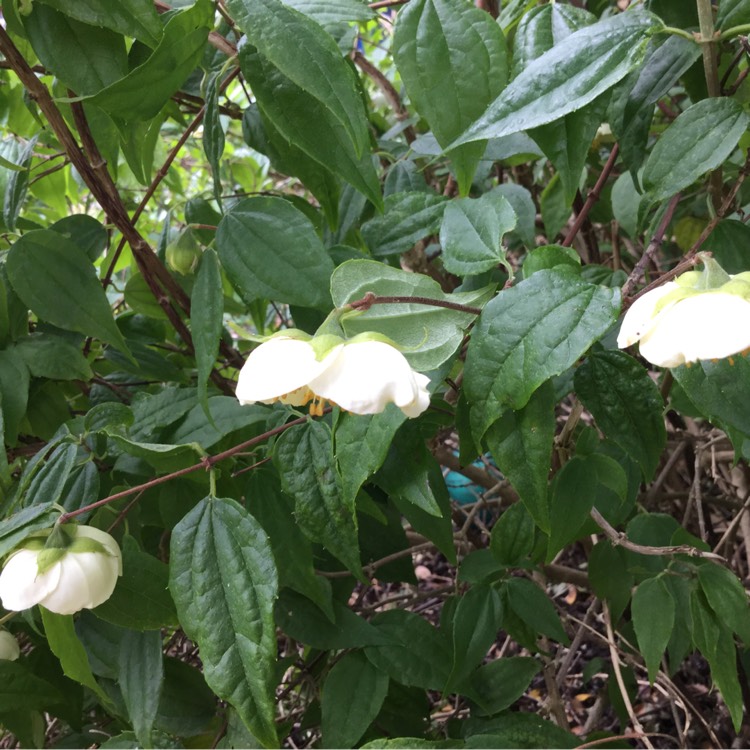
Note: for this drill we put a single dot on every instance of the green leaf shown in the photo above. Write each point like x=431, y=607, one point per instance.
x=22, y=690
x=453, y=60
x=609, y=576
x=426, y=335
x=724, y=674
x=727, y=598
x=544, y=26
x=567, y=77
x=329, y=12
x=66, y=646
x=269, y=249
x=141, y=599
x=14, y=392
x=136, y=18
x=50, y=356
x=518, y=729
x=25, y=522
x=57, y=281
x=407, y=471
x=353, y=693
x=17, y=185
x=362, y=443
x=699, y=140
x=499, y=684
x=719, y=389
x=142, y=93
x=733, y=13
x=261, y=134
x=549, y=256
x=512, y=537
x=478, y=617
x=213, y=133
x=223, y=581
x=420, y=655
x=521, y=444
x=406, y=219
x=140, y=677
x=534, y=608
x=566, y=144
x=303, y=456
x=572, y=498
x=302, y=620
x=512, y=353
x=227, y=416
x=626, y=405
x=206, y=316
x=85, y=58
x=306, y=88
x=472, y=231
x=653, y=619
x=291, y=548
x=49, y=482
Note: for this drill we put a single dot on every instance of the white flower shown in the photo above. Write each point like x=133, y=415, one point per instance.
x=9, y=649
x=82, y=576
x=682, y=321
x=361, y=376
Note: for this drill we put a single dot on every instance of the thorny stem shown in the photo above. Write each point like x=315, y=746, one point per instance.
x=206, y=463
x=371, y=299
x=593, y=197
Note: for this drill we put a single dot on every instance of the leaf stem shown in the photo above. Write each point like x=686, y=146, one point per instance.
x=371, y=299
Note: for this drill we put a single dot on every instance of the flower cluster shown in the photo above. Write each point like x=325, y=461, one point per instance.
x=75, y=568
x=361, y=375
x=700, y=315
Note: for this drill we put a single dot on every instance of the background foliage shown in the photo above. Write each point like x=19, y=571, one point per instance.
x=178, y=177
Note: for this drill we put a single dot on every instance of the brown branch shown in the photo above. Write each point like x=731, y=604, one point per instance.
x=206, y=463
x=619, y=539
x=593, y=197
x=371, y=299
x=387, y=4
x=388, y=90
x=653, y=246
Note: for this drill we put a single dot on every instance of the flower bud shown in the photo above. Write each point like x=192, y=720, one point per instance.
x=183, y=254
x=76, y=569
x=9, y=649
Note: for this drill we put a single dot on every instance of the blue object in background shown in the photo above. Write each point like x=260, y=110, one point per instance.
x=462, y=489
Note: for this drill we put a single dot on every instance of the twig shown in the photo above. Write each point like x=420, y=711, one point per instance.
x=614, y=656
x=620, y=539
x=653, y=246
x=369, y=570
x=206, y=463
x=593, y=197
x=371, y=299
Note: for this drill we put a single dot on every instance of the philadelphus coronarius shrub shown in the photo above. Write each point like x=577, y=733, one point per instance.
x=74, y=568
x=361, y=375
x=700, y=315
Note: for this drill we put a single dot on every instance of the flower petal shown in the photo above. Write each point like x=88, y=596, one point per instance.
x=9, y=649
x=21, y=585
x=365, y=376
x=642, y=315
x=711, y=325
x=277, y=368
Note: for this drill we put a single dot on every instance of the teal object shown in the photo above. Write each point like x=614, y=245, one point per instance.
x=461, y=488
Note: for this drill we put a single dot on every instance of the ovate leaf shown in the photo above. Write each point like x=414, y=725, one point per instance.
x=653, y=618
x=453, y=59
x=515, y=347
x=626, y=404
x=58, y=282
x=353, y=693
x=521, y=444
x=224, y=583
x=472, y=231
x=699, y=140
x=565, y=79
x=270, y=249
x=304, y=458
